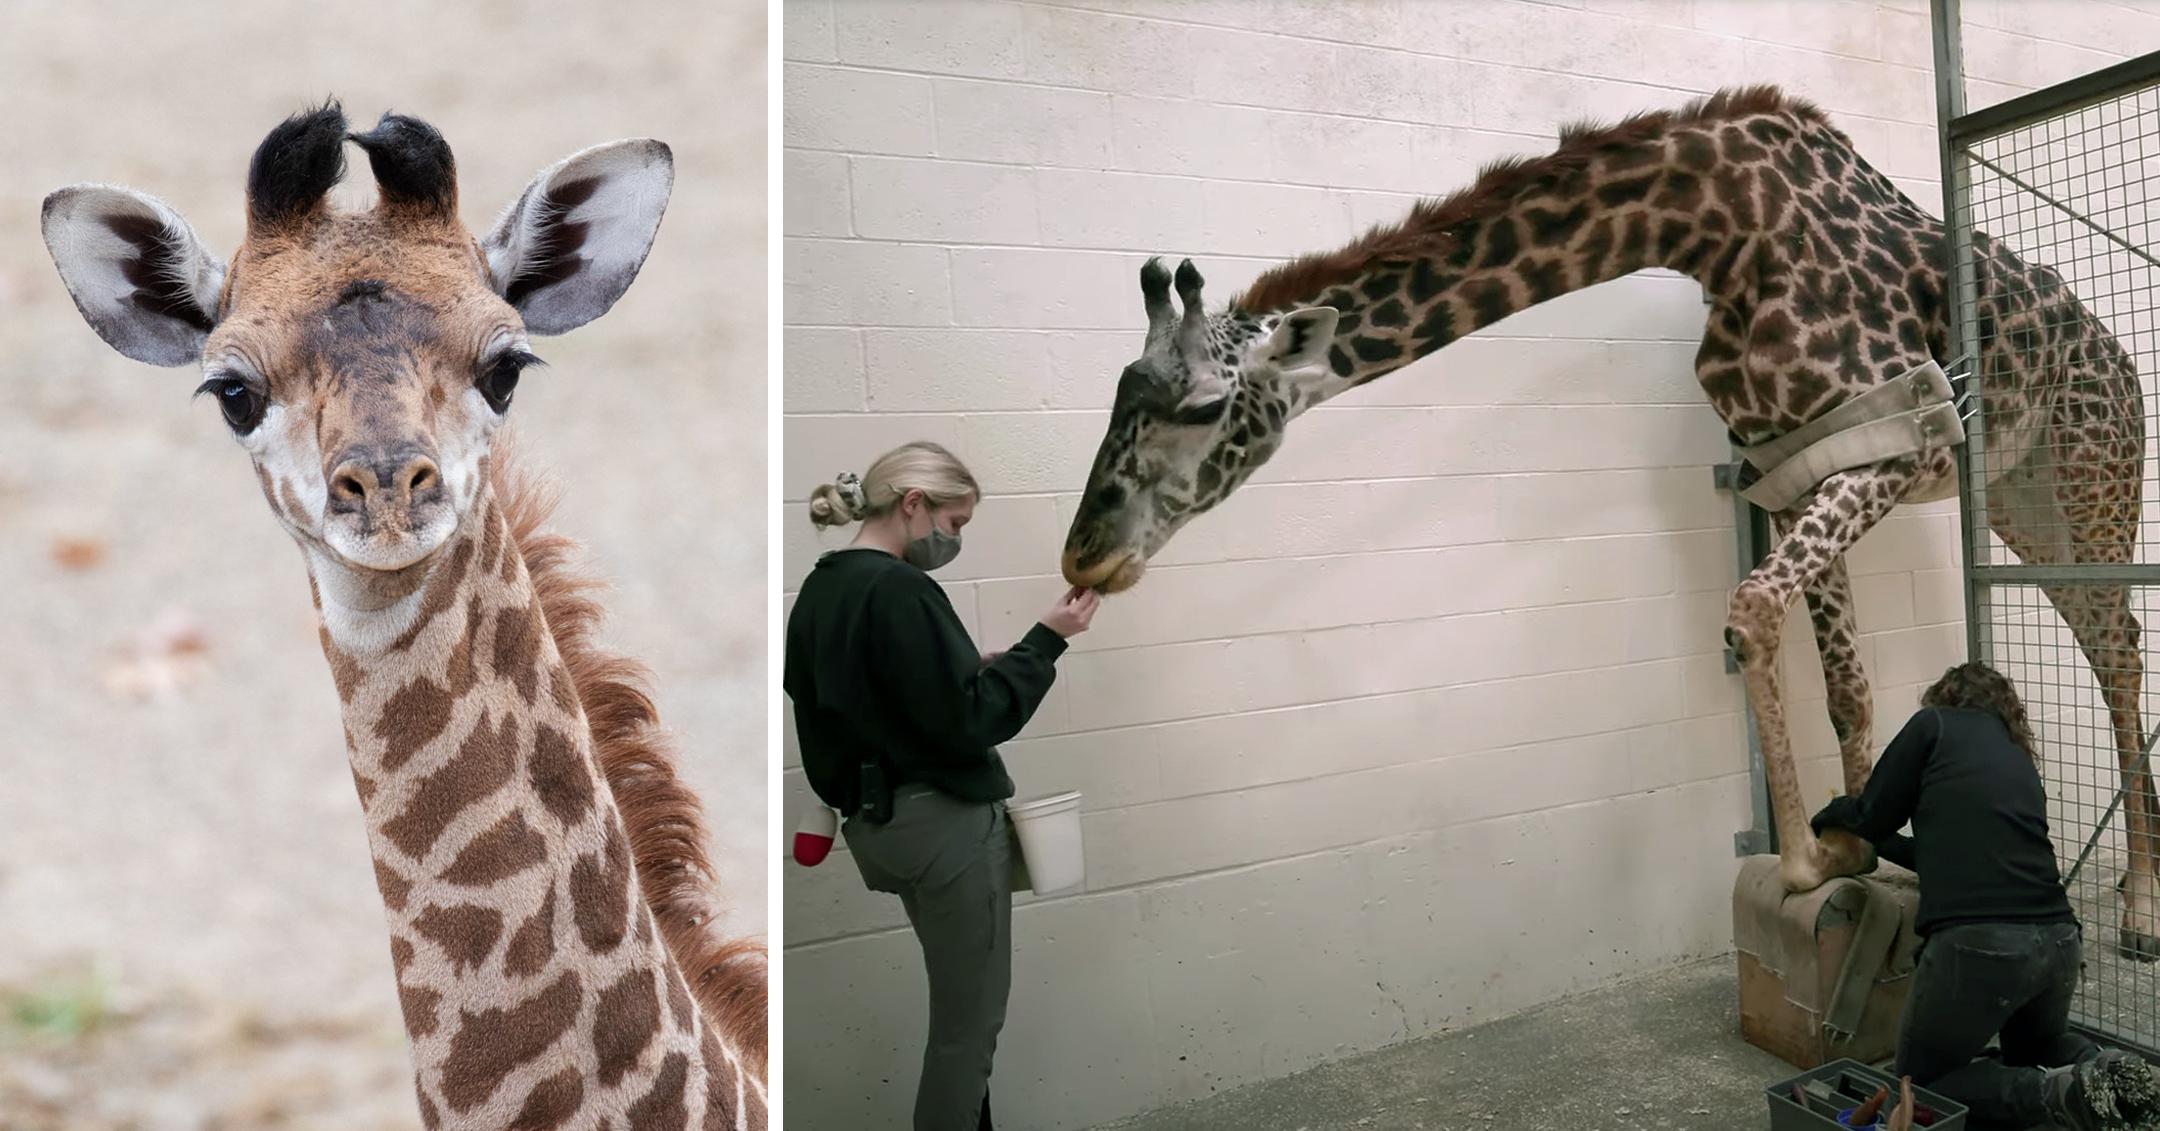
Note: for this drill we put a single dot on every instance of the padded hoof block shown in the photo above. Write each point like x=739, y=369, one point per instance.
x=1823, y=973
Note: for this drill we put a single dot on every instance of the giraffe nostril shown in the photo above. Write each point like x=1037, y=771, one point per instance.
x=417, y=477
x=363, y=481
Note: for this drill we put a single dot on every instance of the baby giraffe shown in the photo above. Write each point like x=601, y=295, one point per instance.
x=542, y=868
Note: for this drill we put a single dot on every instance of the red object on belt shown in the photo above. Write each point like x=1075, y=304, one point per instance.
x=814, y=836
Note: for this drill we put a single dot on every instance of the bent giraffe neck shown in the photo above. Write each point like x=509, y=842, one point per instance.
x=1527, y=232
x=536, y=988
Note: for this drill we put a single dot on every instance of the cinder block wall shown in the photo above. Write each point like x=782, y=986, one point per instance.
x=1429, y=723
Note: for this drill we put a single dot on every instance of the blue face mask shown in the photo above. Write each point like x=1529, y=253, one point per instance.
x=933, y=549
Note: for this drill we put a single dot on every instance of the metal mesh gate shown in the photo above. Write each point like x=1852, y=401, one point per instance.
x=2059, y=191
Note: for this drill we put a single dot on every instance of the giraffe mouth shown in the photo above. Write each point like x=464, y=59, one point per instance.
x=1125, y=576
x=389, y=552
x=1114, y=573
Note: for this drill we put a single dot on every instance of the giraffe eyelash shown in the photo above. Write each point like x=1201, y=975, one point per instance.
x=517, y=356
x=223, y=377
x=1207, y=413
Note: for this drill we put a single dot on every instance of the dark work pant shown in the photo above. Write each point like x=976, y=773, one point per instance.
x=950, y=862
x=1982, y=980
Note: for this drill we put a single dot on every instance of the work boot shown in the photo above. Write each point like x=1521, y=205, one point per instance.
x=2079, y=1097
x=2131, y=1088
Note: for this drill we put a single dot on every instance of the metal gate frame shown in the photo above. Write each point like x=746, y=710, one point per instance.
x=1960, y=134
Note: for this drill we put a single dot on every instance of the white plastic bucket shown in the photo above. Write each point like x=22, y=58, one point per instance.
x=1049, y=833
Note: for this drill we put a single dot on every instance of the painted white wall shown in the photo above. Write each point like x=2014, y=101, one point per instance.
x=1430, y=722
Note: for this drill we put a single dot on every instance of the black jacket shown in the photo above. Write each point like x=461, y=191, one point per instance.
x=1979, y=816
x=880, y=668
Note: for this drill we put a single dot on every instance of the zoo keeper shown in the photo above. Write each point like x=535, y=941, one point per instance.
x=899, y=717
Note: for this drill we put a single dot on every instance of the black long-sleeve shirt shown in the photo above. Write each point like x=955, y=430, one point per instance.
x=1979, y=815
x=880, y=669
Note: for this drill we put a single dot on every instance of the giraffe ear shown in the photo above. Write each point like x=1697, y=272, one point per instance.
x=136, y=270
x=576, y=237
x=1301, y=338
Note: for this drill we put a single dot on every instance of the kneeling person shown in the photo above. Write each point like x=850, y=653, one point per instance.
x=2000, y=948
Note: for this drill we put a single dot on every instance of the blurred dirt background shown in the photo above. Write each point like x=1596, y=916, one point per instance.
x=190, y=936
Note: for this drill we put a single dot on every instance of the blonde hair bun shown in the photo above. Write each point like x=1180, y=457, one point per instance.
x=839, y=502
x=916, y=466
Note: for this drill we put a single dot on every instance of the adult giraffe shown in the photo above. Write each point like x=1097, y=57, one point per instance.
x=542, y=868
x=1824, y=280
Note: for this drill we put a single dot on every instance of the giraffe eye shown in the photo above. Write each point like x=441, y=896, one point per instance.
x=1194, y=415
x=240, y=403
x=498, y=382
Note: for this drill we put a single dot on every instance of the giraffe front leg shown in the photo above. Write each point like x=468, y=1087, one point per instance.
x=1812, y=541
x=1851, y=701
x=1752, y=628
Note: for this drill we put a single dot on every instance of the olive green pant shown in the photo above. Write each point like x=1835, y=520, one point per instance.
x=951, y=863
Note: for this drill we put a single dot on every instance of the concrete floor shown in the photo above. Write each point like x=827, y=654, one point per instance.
x=1661, y=1051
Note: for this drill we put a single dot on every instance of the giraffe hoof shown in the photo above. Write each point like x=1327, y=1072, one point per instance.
x=2137, y=946
x=1844, y=854
x=1800, y=876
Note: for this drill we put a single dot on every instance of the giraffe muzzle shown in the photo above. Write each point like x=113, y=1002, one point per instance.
x=386, y=510
x=1113, y=572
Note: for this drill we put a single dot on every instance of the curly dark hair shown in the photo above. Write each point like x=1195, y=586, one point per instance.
x=1982, y=688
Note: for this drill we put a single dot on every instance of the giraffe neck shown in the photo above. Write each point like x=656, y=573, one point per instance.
x=1530, y=232
x=535, y=986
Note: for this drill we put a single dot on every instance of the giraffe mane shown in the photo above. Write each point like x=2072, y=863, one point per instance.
x=1432, y=224
x=663, y=817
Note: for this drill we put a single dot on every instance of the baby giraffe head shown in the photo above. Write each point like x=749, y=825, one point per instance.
x=363, y=359
x=1200, y=410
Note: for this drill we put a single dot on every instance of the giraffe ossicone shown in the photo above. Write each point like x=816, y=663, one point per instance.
x=541, y=866
x=1823, y=281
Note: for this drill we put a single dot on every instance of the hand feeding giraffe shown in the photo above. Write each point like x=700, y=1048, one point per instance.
x=542, y=868
x=1823, y=281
